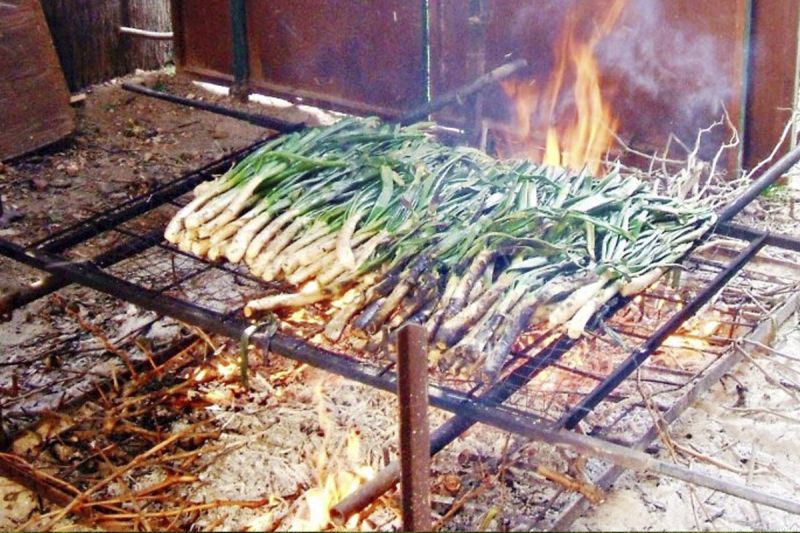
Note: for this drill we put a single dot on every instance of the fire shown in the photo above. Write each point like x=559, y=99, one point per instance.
x=569, y=116
x=305, y=317
x=338, y=475
x=224, y=367
x=228, y=369
x=695, y=334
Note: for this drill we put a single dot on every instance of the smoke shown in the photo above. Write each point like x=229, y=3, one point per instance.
x=666, y=66
x=675, y=65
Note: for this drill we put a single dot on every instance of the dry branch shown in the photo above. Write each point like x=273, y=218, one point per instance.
x=591, y=492
x=49, y=487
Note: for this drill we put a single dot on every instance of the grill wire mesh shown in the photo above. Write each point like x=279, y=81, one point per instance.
x=545, y=379
x=564, y=371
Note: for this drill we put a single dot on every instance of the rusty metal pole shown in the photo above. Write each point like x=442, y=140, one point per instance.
x=415, y=439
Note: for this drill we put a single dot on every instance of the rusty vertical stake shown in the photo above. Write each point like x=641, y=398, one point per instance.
x=415, y=439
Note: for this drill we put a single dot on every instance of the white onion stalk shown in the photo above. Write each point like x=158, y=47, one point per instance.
x=230, y=229
x=268, y=233
x=177, y=223
x=221, y=221
x=344, y=249
x=211, y=209
x=277, y=301
x=243, y=238
x=243, y=197
x=187, y=239
x=317, y=231
x=311, y=253
x=577, y=324
x=217, y=250
x=306, y=272
x=641, y=282
x=362, y=253
x=265, y=264
x=200, y=247
x=339, y=320
x=435, y=320
x=575, y=301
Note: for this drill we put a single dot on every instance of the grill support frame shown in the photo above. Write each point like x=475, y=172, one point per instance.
x=46, y=255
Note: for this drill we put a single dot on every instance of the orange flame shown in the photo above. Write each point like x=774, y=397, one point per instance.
x=338, y=476
x=695, y=334
x=578, y=135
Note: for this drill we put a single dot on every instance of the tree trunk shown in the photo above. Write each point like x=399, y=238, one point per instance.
x=89, y=45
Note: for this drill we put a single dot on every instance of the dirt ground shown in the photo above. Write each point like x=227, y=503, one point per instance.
x=126, y=144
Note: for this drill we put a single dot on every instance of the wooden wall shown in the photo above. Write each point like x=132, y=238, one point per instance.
x=89, y=45
x=773, y=65
x=359, y=56
x=34, y=102
x=668, y=71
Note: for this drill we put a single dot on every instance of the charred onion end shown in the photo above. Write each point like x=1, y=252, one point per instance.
x=412, y=303
x=338, y=322
x=435, y=320
x=367, y=314
x=454, y=329
x=392, y=302
x=476, y=268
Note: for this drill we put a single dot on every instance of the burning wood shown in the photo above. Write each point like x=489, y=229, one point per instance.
x=409, y=231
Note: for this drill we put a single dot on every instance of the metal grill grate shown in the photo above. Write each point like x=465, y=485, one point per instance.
x=553, y=378
x=551, y=382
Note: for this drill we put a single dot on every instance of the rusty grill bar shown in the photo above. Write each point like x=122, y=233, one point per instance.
x=42, y=255
x=153, y=275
